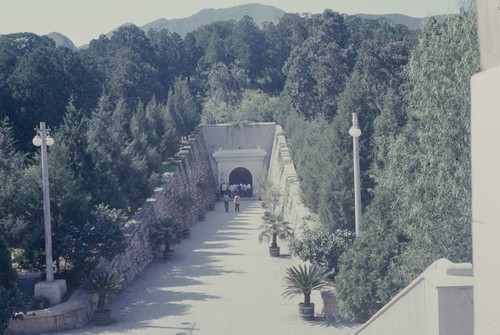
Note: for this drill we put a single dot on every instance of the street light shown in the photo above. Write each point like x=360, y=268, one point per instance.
x=44, y=139
x=355, y=132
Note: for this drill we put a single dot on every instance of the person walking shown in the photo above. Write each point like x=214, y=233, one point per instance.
x=237, y=203
x=226, y=201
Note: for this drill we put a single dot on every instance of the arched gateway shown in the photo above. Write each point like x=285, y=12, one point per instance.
x=240, y=175
x=239, y=152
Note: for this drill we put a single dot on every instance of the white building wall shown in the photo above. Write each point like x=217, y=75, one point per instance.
x=438, y=302
x=231, y=137
x=485, y=145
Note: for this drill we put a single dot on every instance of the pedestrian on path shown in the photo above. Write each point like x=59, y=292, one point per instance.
x=226, y=201
x=237, y=203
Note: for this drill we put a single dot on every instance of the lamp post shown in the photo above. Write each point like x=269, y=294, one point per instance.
x=355, y=132
x=44, y=139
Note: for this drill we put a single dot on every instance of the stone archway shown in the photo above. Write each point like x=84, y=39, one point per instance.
x=240, y=175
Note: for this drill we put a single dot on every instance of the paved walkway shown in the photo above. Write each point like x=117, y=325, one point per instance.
x=218, y=281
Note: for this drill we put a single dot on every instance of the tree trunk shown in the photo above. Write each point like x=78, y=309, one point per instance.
x=101, y=301
x=307, y=298
x=274, y=244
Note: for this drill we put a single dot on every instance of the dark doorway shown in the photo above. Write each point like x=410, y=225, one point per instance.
x=240, y=176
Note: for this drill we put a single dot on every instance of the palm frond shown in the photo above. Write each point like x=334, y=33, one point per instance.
x=102, y=282
x=302, y=279
x=274, y=224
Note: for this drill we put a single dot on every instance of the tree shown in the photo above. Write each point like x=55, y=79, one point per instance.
x=421, y=210
x=280, y=39
x=316, y=71
x=185, y=108
x=434, y=203
x=225, y=92
x=8, y=288
x=273, y=228
x=247, y=45
x=101, y=236
x=38, y=88
x=322, y=247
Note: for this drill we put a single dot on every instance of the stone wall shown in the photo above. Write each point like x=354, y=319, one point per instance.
x=283, y=175
x=184, y=195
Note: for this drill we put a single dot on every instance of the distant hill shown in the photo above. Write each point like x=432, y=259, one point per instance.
x=62, y=40
x=259, y=14
x=413, y=23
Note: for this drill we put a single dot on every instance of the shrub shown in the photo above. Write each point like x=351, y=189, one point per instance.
x=322, y=247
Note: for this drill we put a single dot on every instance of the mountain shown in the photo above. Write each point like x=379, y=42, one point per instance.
x=259, y=13
x=62, y=40
x=413, y=23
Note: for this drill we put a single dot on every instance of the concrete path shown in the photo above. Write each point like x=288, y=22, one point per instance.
x=218, y=281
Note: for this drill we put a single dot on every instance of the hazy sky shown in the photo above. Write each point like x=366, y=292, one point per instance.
x=83, y=20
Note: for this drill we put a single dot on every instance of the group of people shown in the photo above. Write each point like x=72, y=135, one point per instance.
x=234, y=192
x=244, y=190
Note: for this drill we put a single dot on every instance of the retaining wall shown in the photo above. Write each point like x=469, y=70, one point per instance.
x=183, y=195
x=283, y=175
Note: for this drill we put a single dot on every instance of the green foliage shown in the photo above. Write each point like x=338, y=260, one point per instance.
x=8, y=288
x=364, y=283
x=167, y=231
x=270, y=194
x=273, y=228
x=303, y=279
x=120, y=106
x=38, y=302
x=8, y=304
x=103, y=284
x=101, y=236
x=421, y=210
x=7, y=273
x=322, y=247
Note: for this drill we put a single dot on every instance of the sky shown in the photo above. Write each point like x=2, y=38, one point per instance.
x=83, y=20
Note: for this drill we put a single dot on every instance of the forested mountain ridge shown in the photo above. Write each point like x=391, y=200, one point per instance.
x=118, y=109
x=258, y=12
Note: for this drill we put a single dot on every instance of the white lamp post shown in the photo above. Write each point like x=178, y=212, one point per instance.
x=355, y=132
x=44, y=139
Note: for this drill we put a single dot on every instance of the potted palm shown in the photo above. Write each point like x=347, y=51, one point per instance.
x=102, y=284
x=273, y=228
x=303, y=279
x=167, y=231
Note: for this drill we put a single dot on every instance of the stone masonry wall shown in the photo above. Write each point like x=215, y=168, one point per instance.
x=184, y=195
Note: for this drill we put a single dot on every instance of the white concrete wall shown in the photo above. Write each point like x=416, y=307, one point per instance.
x=485, y=204
x=438, y=302
x=283, y=175
x=231, y=137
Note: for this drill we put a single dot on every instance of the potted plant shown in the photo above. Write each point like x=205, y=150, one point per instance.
x=303, y=279
x=273, y=228
x=103, y=284
x=167, y=231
